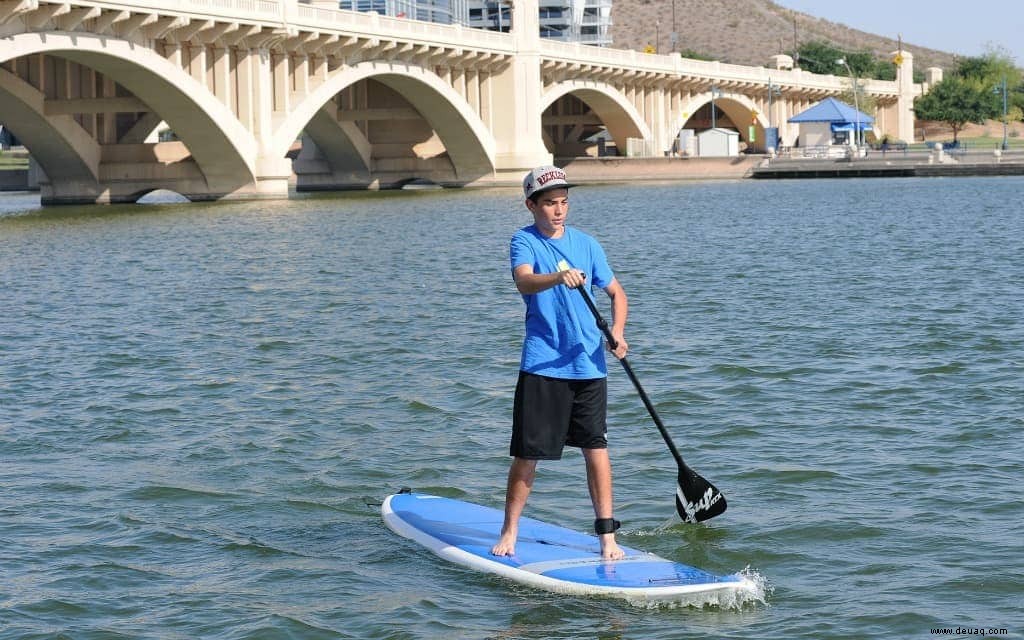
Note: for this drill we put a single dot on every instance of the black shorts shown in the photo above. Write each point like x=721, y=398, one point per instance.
x=549, y=413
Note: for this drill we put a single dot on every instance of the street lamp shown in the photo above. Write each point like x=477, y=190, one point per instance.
x=715, y=92
x=773, y=90
x=856, y=106
x=997, y=89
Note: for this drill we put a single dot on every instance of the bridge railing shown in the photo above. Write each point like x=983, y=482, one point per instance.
x=642, y=148
x=235, y=10
x=375, y=25
x=675, y=64
x=290, y=14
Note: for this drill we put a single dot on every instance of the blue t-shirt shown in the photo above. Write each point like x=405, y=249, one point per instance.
x=562, y=337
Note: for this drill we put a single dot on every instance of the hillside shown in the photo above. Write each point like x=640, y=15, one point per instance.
x=746, y=31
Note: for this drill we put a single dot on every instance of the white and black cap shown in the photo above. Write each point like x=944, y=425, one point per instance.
x=544, y=179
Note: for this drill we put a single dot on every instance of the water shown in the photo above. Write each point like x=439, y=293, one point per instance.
x=201, y=406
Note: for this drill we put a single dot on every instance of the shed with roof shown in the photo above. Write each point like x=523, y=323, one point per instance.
x=830, y=123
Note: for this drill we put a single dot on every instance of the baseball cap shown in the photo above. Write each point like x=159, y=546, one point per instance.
x=544, y=179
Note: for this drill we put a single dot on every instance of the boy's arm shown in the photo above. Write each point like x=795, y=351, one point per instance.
x=620, y=309
x=529, y=282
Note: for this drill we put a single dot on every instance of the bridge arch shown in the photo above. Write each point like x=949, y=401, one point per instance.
x=738, y=107
x=62, y=148
x=618, y=114
x=470, y=146
x=224, y=152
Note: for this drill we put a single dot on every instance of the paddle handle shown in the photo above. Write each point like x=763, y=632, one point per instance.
x=603, y=325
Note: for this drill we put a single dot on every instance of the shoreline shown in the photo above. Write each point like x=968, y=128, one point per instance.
x=610, y=169
x=893, y=164
x=619, y=169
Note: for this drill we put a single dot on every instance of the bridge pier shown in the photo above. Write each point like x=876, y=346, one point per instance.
x=127, y=172
x=517, y=125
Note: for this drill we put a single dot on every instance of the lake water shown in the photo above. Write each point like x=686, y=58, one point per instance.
x=202, y=405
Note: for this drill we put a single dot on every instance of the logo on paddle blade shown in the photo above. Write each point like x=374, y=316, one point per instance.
x=692, y=508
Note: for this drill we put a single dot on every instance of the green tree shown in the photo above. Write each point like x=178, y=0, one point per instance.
x=885, y=70
x=957, y=101
x=990, y=67
x=818, y=56
x=695, y=55
x=1016, y=99
x=864, y=101
x=862, y=63
x=974, y=67
x=989, y=70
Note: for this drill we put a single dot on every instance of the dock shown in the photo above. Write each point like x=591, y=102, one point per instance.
x=897, y=164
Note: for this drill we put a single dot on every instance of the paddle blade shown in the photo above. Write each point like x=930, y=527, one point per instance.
x=696, y=498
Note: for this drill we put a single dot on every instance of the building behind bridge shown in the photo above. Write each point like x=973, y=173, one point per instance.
x=586, y=21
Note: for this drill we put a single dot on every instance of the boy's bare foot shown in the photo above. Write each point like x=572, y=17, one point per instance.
x=506, y=545
x=610, y=550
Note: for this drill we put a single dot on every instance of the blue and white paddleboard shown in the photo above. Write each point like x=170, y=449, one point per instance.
x=553, y=558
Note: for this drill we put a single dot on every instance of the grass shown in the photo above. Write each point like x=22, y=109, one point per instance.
x=976, y=143
x=991, y=142
x=9, y=161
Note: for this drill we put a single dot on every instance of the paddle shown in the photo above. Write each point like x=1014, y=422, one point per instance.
x=696, y=498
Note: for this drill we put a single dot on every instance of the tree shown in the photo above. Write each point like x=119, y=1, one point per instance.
x=1017, y=100
x=864, y=101
x=862, y=63
x=990, y=67
x=957, y=101
x=990, y=70
x=885, y=70
x=819, y=56
x=695, y=55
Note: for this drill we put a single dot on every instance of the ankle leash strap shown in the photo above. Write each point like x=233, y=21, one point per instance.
x=606, y=525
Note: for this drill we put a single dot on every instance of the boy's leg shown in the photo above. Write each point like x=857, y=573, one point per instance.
x=599, y=481
x=520, y=481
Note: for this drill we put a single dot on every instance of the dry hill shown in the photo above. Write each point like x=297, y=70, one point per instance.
x=746, y=31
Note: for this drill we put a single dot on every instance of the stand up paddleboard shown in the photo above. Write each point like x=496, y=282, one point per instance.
x=551, y=557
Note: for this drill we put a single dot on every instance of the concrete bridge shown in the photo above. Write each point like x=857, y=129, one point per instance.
x=376, y=101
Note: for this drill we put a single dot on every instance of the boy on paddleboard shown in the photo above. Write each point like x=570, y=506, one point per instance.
x=561, y=395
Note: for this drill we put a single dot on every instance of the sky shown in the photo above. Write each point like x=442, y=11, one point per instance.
x=946, y=25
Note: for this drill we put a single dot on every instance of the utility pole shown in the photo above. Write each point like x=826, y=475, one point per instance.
x=673, y=37
x=796, y=47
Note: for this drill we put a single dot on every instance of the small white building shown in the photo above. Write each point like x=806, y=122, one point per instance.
x=718, y=143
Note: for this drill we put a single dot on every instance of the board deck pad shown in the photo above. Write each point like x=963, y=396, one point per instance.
x=548, y=556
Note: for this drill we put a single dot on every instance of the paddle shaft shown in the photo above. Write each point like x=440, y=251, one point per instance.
x=603, y=325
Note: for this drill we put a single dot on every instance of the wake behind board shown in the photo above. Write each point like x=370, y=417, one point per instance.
x=551, y=557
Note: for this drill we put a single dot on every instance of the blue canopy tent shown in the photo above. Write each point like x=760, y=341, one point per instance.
x=838, y=115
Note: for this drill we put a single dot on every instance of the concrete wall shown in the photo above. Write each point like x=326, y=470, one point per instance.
x=597, y=170
x=815, y=134
x=14, y=180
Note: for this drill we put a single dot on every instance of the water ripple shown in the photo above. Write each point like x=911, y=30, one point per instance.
x=202, y=406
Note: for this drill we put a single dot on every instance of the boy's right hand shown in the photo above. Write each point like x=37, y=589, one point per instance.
x=572, y=278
